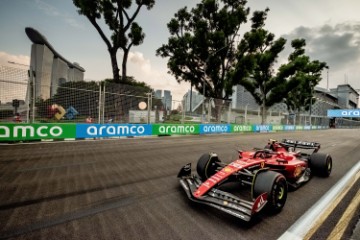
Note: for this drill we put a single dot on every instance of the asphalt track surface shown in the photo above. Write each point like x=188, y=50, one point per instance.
x=127, y=188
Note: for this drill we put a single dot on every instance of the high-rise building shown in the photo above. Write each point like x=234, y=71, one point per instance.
x=158, y=94
x=242, y=99
x=166, y=99
x=48, y=67
x=192, y=101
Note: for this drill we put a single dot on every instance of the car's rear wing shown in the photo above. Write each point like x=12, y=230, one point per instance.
x=300, y=144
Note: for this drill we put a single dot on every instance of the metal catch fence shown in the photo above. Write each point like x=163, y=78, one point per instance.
x=22, y=100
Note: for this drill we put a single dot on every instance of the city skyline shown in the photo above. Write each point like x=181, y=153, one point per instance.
x=329, y=28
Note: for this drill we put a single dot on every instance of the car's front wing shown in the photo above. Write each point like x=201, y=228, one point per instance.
x=222, y=200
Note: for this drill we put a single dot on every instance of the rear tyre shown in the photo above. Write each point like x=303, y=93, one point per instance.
x=321, y=164
x=276, y=187
x=207, y=165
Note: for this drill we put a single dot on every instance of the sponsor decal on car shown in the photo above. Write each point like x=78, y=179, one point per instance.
x=262, y=164
x=227, y=169
x=260, y=202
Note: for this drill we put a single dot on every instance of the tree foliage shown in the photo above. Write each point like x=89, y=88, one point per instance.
x=201, y=49
x=260, y=48
x=267, y=84
x=308, y=75
x=119, y=16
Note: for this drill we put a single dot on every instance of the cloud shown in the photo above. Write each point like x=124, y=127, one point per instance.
x=337, y=45
x=47, y=8
x=72, y=22
x=14, y=60
x=142, y=70
x=52, y=11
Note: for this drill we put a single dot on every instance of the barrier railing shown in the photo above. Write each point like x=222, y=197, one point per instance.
x=42, y=131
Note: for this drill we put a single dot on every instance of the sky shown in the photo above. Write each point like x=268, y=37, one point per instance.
x=331, y=29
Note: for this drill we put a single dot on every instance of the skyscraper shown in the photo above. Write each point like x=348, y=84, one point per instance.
x=166, y=99
x=48, y=67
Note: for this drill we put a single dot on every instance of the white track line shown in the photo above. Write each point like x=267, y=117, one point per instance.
x=307, y=221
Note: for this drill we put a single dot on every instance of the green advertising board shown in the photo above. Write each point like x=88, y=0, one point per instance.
x=278, y=128
x=299, y=127
x=17, y=132
x=241, y=128
x=175, y=129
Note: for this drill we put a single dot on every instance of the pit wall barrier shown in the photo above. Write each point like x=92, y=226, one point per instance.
x=28, y=132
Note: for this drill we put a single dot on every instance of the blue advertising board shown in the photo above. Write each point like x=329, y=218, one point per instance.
x=215, y=128
x=343, y=113
x=289, y=127
x=112, y=130
x=262, y=128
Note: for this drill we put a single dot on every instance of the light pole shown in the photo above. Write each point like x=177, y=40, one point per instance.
x=327, y=77
x=311, y=97
x=310, y=111
x=311, y=108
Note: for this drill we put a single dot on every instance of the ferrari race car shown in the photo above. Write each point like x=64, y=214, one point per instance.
x=268, y=173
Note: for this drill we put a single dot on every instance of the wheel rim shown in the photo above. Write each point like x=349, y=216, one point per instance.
x=281, y=192
x=329, y=166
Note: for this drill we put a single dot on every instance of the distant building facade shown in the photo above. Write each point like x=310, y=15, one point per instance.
x=49, y=68
x=347, y=96
x=342, y=97
x=166, y=98
x=158, y=94
x=242, y=99
x=192, y=101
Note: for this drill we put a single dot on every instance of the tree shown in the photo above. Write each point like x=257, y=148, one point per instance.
x=125, y=31
x=264, y=83
x=307, y=74
x=201, y=49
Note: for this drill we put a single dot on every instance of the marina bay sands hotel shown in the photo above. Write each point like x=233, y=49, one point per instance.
x=48, y=68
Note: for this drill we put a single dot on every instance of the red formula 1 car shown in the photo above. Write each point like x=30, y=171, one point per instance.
x=267, y=173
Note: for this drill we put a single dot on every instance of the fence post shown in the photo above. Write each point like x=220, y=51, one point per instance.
x=149, y=99
x=28, y=100
x=183, y=112
x=209, y=110
x=103, y=105
x=32, y=95
x=229, y=114
x=99, y=106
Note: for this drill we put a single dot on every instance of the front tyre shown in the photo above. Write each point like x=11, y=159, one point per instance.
x=276, y=187
x=207, y=165
x=321, y=164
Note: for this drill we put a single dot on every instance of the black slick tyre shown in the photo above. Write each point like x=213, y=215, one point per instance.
x=207, y=165
x=276, y=187
x=321, y=164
